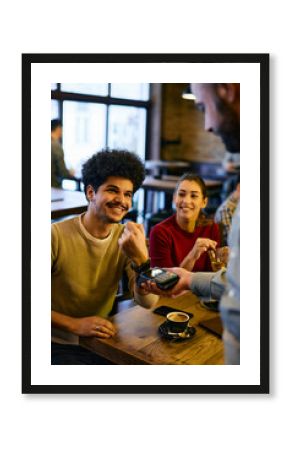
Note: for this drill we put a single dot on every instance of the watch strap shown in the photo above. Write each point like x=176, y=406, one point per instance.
x=142, y=267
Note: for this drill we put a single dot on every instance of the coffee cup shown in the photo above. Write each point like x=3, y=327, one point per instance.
x=177, y=322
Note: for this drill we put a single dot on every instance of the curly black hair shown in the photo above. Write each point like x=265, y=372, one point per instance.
x=113, y=163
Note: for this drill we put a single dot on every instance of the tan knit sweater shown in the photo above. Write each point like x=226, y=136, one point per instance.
x=85, y=271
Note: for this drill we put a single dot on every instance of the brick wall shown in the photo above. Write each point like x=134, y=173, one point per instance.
x=182, y=133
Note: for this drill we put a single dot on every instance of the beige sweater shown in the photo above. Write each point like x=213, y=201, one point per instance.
x=85, y=272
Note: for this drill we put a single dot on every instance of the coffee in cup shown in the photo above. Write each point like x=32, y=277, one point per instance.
x=177, y=321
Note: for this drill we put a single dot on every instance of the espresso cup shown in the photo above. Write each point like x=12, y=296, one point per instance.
x=177, y=321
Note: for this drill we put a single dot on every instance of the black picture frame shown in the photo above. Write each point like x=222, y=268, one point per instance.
x=263, y=61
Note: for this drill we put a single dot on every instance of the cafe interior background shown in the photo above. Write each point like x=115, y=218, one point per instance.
x=160, y=122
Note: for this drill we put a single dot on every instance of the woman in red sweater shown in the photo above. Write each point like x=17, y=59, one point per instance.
x=183, y=239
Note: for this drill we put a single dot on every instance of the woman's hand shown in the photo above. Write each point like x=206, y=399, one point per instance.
x=93, y=326
x=202, y=245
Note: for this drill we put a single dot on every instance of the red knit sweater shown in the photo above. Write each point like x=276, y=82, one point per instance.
x=169, y=244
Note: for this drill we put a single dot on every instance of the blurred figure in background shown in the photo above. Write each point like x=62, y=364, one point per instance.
x=59, y=170
x=224, y=213
x=231, y=164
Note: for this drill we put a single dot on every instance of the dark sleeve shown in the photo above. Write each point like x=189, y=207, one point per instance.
x=160, y=248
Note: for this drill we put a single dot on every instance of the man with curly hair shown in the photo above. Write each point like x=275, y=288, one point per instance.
x=90, y=253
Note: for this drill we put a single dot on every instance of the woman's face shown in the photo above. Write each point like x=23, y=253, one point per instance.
x=189, y=200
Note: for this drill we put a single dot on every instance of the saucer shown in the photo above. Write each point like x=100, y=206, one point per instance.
x=187, y=334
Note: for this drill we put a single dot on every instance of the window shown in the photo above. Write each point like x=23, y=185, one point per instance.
x=127, y=127
x=84, y=127
x=54, y=109
x=95, y=116
x=134, y=91
x=86, y=88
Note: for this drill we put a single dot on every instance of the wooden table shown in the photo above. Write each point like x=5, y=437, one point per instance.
x=64, y=203
x=138, y=340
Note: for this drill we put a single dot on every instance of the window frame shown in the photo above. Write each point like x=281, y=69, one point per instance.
x=108, y=100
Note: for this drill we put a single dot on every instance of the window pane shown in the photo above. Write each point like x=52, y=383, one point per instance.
x=69, y=185
x=84, y=130
x=54, y=109
x=133, y=91
x=127, y=126
x=85, y=88
x=53, y=86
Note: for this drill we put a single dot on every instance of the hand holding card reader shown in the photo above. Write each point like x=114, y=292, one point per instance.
x=163, y=279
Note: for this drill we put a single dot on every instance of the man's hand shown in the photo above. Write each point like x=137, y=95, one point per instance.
x=133, y=243
x=93, y=326
x=182, y=286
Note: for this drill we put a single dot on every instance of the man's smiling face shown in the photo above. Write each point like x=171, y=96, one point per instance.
x=112, y=200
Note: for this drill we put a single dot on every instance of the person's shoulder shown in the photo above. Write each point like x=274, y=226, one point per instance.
x=168, y=222
x=54, y=143
x=56, y=146
x=64, y=226
x=164, y=225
